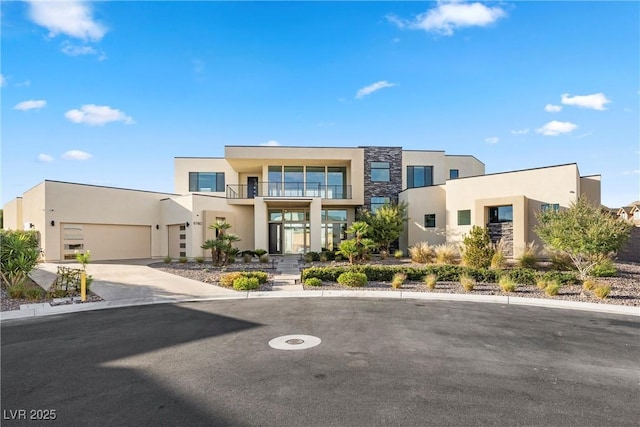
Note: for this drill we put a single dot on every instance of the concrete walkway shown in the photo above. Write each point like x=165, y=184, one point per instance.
x=288, y=276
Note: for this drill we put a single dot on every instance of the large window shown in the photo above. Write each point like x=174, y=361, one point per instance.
x=378, y=202
x=334, y=228
x=380, y=171
x=206, y=181
x=500, y=214
x=550, y=206
x=336, y=182
x=454, y=173
x=430, y=221
x=315, y=181
x=464, y=217
x=419, y=176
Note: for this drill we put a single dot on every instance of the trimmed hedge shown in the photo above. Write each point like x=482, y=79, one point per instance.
x=227, y=280
x=353, y=279
x=246, y=283
x=562, y=277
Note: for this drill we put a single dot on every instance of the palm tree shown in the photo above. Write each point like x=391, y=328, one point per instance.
x=221, y=247
x=349, y=249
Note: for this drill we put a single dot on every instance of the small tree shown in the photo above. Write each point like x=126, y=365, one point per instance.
x=477, y=249
x=221, y=247
x=386, y=224
x=360, y=230
x=586, y=233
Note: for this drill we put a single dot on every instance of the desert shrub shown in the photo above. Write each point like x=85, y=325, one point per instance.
x=552, y=288
x=560, y=261
x=246, y=257
x=562, y=277
x=259, y=252
x=507, y=284
x=421, y=252
x=33, y=293
x=604, y=268
x=523, y=276
x=398, y=254
x=226, y=280
x=16, y=291
x=199, y=259
x=260, y=275
x=264, y=258
x=499, y=259
x=541, y=283
x=18, y=255
x=311, y=257
x=182, y=260
x=467, y=282
x=431, y=280
x=246, y=283
x=167, y=260
x=313, y=281
x=589, y=285
x=445, y=254
x=529, y=257
x=353, y=279
x=477, y=249
x=398, y=280
x=602, y=292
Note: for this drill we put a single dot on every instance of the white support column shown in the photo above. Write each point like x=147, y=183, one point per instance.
x=260, y=225
x=315, y=224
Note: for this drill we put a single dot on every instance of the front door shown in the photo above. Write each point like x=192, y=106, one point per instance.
x=275, y=238
x=252, y=186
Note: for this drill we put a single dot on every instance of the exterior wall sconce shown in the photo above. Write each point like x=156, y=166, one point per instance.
x=157, y=227
x=186, y=224
x=53, y=223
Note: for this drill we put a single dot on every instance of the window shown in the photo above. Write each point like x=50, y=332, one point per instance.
x=419, y=176
x=464, y=217
x=547, y=206
x=378, y=202
x=380, y=172
x=500, y=214
x=336, y=180
x=454, y=173
x=206, y=181
x=429, y=220
x=183, y=245
x=636, y=215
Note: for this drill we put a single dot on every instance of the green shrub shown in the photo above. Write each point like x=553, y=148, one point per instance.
x=467, y=282
x=247, y=258
x=311, y=256
x=16, y=291
x=445, y=254
x=529, y=257
x=561, y=261
x=264, y=258
x=19, y=255
x=329, y=255
x=324, y=257
x=507, y=284
x=431, y=281
x=226, y=280
x=541, y=283
x=398, y=254
x=199, y=259
x=398, y=280
x=552, y=288
x=260, y=275
x=498, y=261
x=353, y=279
x=477, y=249
x=167, y=260
x=604, y=268
x=33, y=293
x=523, y=276
x=602, y=292
x=564, y=278
x=589, y=285
x=313, y=281
x=246, y=283
x=422, y=253
x=182, y=260
x=259, y=252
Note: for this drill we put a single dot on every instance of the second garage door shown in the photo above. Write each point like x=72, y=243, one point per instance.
x=107, y=241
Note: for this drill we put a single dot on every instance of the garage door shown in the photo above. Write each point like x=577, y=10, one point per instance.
x=108, y=241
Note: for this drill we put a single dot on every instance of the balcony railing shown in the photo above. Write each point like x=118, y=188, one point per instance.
x=288, y=189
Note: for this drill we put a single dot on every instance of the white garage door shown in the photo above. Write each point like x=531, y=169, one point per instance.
x=107, y=241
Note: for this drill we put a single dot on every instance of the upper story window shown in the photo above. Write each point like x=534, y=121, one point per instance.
x=500, y=214
x=419, y=176
x=454, y=173
x=378, y=202
x=380, y=172
x=206, y=181
x=550, y=206
x=464, y=217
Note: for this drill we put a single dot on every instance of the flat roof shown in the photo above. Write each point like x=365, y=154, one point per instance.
x=514, y=171
x=105, y=186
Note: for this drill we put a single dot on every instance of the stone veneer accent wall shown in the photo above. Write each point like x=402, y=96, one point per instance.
x=390, y=189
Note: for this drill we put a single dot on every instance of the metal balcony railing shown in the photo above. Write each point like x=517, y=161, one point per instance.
x=288, y=189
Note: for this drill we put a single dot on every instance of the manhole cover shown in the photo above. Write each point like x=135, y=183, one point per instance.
x=294, y=342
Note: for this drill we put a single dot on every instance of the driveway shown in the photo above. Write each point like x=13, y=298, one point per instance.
x=379, y=362
x=127, y=280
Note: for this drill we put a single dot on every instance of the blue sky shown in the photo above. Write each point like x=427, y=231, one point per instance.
x=109, y=93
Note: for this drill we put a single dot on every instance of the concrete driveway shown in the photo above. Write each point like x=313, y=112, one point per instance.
x=129, y=280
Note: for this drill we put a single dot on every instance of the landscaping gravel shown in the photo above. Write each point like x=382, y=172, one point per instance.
x=9, y=304
x=207, y=273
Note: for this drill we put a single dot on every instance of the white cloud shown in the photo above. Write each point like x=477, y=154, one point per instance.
x=633, y=172
x=372, y=88
x=520, y=131
x=30, y=105
x=492, y=140
x=595, y=101
x=91, y=114
x=25, y=83
x=72, y=18
x=550, y=108
x=271, y=143
x=3, y=81
x=555, y=128
x=448, y=16
x=76, y=155
x=45, y=158
x=78, y=50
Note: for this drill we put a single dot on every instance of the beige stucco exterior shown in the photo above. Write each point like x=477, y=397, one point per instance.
x=12, y=215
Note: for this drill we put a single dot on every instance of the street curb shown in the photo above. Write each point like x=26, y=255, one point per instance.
x=38, y=310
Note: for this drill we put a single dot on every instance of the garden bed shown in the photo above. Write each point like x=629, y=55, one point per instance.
x=210, y=274
x=9, y=304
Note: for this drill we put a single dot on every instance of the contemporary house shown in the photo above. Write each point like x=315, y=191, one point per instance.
x=291, y=200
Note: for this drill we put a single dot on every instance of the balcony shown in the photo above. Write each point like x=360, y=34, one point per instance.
x=288, y=189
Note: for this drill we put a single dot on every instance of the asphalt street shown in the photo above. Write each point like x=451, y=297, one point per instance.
x=380, y=362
